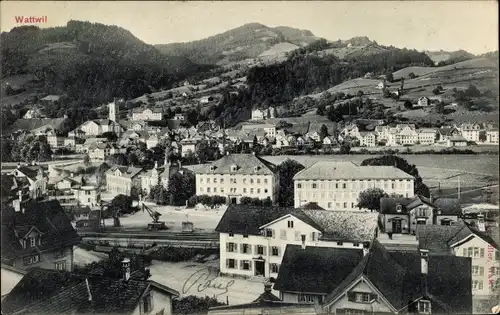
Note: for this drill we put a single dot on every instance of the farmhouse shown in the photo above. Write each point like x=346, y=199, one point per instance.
x=423, y=101
x=121, y=179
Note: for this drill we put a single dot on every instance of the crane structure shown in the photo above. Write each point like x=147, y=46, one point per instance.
x=156, y=224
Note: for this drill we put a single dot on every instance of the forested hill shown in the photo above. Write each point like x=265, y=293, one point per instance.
x=90, y=62
x=247, y=41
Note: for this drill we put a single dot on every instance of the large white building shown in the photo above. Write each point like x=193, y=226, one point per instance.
x=253, y=239
x=147, y=114
x=336, y=185
x=238, y=175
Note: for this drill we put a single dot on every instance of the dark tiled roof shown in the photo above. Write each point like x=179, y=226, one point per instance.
x=48, y=217
x=435, y=238
x=312, y=206
x=388, y=205
x=30, y=124
x=43, y=291
x=29, y=171
x=245, y=165
x=315, y=269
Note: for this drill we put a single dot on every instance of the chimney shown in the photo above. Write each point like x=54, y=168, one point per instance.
x=18, y=165
x=481, y=226
x=430, y=198
x=72, y=175
x=156, y=164
x=88, y=289
x=268, y=287
x=424, y=263
x=366, y=248
x=303, y=237
x=126, y=269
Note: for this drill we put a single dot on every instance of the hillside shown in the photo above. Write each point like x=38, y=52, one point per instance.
x=244, y=42
x=448, y=57
x=89, y=62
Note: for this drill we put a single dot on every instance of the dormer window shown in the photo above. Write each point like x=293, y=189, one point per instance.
x=212, y=167
x=32, y=241
x=399, y=208
x=424, y=307
x=256, y=168
x=234, y=167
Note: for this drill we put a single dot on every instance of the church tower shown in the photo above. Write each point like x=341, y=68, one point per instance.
x=112, y=111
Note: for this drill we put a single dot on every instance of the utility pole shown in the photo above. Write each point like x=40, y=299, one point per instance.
x=458, y=188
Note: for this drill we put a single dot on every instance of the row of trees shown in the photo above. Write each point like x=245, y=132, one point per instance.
x=26, y=149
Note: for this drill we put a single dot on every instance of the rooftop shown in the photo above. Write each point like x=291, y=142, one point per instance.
x=330, y=170
x=245, y=164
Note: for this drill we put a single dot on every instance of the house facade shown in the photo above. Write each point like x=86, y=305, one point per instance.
x=238, y=175
x=39, y=234
x=492, y=136
x=147, y=114
x=36, y=177
x=253, y=240
x=335, y=185
x=150, y=177
x=427, y=136
x=471, y=131
x=423, y=101
x=121, y=179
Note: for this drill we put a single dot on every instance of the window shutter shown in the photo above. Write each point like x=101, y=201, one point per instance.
x=274, y=234
x=249, y=265
x=270, y=251
x=279, y=250
x=235, y=247
x=264, y=250
x=482, y=253
x=227, y=247
x=481, y=271
x=465, y=252
x=241, y=248
x=227, y=263
x=351, y=296
x=241, y=264
x=250, y=249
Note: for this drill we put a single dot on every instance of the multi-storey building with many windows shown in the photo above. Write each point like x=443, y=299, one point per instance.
x=335, y=185
x=238, y=175
x=253, y=239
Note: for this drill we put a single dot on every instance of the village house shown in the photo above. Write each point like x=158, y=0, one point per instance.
x=150, y=178
x=355, y=281
x=121, y=179
x=97, y=127
x=34, y=113
x=238, y=175
x=39, y=234
x=492, y=136
x=100, y=151
x=62, y=292
x=261, y=114
x=10, y=278
x=328, y=140
x=406, y=215
x=257, y=114
x=367, y=139
x=427, y=136
x=402, y=134
x=179, y=116
x=188, y=146
x=269, y=129
x=147, y=114
x=336, y=185
x=314, y=136
x=36, y=177
x=71, y=191
x=471, y=132
x=456, y=141
x=463, y=240
x=351, y=131
x=423, y=101
x=206, y=99
x=253, y=239
x=152, y=141
x=444, y=133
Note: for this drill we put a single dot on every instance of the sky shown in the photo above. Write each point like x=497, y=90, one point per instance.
x=422, y=25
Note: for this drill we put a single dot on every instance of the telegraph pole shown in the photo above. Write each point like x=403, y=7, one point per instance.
x=458, y=187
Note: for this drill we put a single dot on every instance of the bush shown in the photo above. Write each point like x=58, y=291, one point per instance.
x=194, y=305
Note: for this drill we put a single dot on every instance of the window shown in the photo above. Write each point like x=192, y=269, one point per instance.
x=231, y=234
x=245, y=265
x=275, y=251
x=299, y=185
x=222, y=180
x=306, y=298
x=32, y=241
x=231, y=263
x=274, y=268
x=340, y=243
x=231, y=247
x=355, y=244
x=258, y=181
x=59, y=253
x=283, y=234
x=265, y=181
x=31, y=260
x=290, y=224
x=265, y=190
x=297, y=235
x=251, y=190
x=349, y=311
x=251, y=180
x=244, y=190
x=361, y=297
x=258, y=190
x=208, y=189
x=345, y=204
x=215, y=180
x=313, y=185
x=61, y=265
x=208, y=180
x=245, y=235
x=477, y=271
x=336, y=185
x=269, y=233
x=424, y=307
x=245, y=249
x=313, y=236
x=215, y=189
x=477, y=285
x=497, y=255
x=260, y=250
x=344, y=185
x=222, y=190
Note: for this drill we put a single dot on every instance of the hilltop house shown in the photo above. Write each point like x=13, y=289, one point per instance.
x=423, y=101
x=261, y=114
x=97, y=127
x=471, y=131
x=427, y=136
x=147, y=114
x=492, y=136
x=253, y=239
x=463, y=240
x=238, y=175
x=100, y=151
x=444, y=133
x=121, y=179
x=39, y=234
x=335, y=185
x=61, y=292
x=405, y=215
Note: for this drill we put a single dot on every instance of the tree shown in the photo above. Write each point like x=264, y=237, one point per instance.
x=412, y=75
x=286, y=171
x=194, y=305
x=86, y=160
x=275, y=112
x=482, y=136
x=110, y=136
x=408, y=104
x=389, y=77
x=121, y=203
x=436, y=91
x=345, y=148
x=360, y=93
x=118, y=159
x=159, y=194
x=440, y=107
x=321, y=110
x=180, y=188
x=204, y=152
x=333, y=114
x=323, y=132
x=370, y=198
x=30, y=148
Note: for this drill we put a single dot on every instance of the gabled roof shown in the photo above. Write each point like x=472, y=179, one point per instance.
x=52, y=98
x=29, y=171
x=153, y=110
x=48, y=217
x=448, y=206
x=61, y=292
x=245, y=163
x=315, y=269
x=457, y=138
x=126, y=171
x=31, y=124
x=330, y=170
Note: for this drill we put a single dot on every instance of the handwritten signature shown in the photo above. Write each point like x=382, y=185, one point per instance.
x=204, y=279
